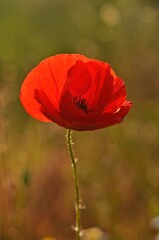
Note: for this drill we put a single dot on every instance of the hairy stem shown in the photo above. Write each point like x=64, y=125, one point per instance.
x=76, y=184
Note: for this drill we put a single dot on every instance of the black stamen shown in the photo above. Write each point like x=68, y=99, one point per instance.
x=81, y=103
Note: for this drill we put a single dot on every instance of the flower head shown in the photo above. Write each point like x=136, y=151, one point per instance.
x=75, y=92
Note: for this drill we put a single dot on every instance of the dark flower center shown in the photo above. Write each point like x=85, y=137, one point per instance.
x=80, y=103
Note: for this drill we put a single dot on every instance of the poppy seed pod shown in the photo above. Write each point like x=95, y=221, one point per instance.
x=75, y=92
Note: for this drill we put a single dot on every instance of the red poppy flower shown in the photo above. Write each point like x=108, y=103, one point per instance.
x=75, y=92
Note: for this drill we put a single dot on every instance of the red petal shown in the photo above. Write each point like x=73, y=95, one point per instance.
x=118, y=95
x=77, y=84
x=49, y=77
x=27, y=95
x=48, y=109
x=101, y=84
x=105, y=121
x=78, y=80
x=116, y=117
x=91, y=81
x=59, y=66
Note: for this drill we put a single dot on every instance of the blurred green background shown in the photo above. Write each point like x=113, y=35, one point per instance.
x=118, y=166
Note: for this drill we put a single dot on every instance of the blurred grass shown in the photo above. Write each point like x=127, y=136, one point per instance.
x=118, y=166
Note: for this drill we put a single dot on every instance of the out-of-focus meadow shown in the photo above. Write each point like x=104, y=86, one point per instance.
x=118, y=166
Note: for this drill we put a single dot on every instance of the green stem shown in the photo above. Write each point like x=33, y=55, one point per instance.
x=76, y=184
